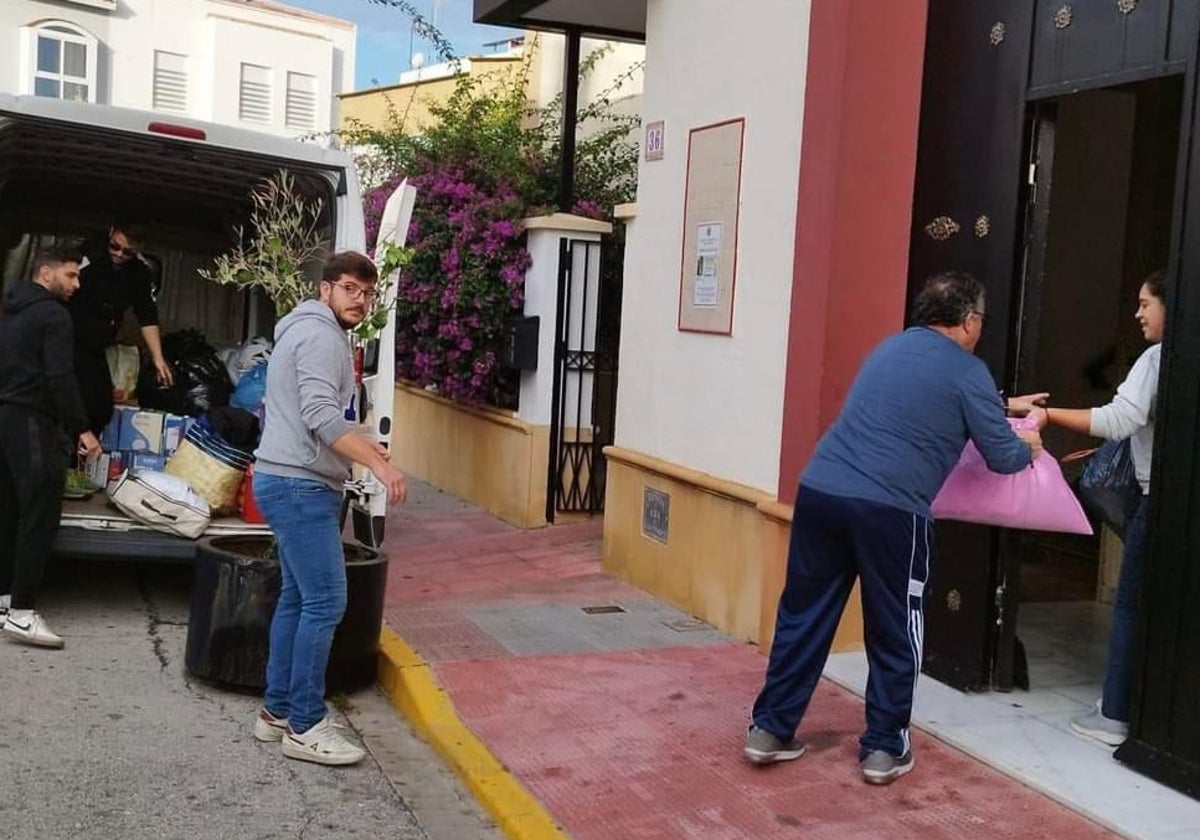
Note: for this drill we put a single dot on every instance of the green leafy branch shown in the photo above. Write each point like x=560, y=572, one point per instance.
x=273, y=252
x=390, y=259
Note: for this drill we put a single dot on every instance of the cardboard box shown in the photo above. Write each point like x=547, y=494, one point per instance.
x=110, y=437
x=97, y=470
x=141, y=431
x=174, y=427
x=149, y=462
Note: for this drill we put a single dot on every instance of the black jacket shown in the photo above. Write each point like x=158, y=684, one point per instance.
x=105, y=293
x=37, y=368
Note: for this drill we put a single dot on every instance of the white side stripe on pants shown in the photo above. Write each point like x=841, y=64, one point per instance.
x=916, y=619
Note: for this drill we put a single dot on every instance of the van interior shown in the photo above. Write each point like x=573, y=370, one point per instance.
x=1111, y=202
x=61, y=180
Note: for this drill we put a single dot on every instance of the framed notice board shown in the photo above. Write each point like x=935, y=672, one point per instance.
x=712, y=199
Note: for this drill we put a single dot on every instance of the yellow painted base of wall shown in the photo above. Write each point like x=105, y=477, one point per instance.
x=487, y=457
x=725, y=557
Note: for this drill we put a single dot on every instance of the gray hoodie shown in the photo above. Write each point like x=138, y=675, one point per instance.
x=310, y=383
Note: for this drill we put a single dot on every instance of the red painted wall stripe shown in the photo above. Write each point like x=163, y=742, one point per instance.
x=854, y=207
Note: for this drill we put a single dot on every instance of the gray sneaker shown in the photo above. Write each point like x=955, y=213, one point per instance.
x=764, y=748
x=882, y=768
x=1103, y=729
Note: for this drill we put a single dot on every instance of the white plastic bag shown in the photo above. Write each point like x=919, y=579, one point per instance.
x=124, y=363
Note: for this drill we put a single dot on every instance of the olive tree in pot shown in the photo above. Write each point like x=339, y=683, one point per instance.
x=236, y=585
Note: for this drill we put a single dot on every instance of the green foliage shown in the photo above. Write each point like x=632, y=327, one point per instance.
x=390, y=259
x=281, y=241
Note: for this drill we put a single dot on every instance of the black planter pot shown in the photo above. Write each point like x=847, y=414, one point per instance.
x=234, y=591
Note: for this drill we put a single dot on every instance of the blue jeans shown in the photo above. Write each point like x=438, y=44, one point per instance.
x=1122, y=636
x=303, y=515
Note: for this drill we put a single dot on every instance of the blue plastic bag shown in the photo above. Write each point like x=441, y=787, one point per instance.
x=1109, y=486
x=251, y=389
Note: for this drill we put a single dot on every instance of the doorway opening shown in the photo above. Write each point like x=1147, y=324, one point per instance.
x=1102, y=201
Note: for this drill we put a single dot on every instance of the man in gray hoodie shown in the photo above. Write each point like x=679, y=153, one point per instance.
x=303, y=462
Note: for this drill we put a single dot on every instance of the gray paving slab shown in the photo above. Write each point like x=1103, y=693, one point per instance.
x=546, y=628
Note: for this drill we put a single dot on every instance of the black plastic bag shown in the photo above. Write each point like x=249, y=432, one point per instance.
x=1109, y=487
x=201, y=380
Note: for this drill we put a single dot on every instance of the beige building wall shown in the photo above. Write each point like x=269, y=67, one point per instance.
x=410, y=101
x=541, y=60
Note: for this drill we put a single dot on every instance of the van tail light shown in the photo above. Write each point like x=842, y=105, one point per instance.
x=173, y=130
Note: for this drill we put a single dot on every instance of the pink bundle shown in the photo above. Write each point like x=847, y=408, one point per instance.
x=1034, y=499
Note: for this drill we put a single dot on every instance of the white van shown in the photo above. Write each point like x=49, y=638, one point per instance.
x=70, y=169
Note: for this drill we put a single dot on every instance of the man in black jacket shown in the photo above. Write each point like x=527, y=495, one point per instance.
x=42, y=424
x=113, y=281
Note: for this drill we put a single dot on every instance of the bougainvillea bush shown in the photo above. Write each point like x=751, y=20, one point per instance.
x=465, y=282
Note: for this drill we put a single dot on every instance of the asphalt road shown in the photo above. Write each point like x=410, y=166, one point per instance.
x=111, y=738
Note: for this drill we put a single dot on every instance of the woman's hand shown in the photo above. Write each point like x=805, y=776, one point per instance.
x=1021, y=406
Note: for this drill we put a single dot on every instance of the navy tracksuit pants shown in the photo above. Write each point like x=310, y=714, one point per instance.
x=833, y=541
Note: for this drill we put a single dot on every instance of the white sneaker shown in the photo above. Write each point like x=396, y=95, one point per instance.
x=267, y=727
x=322, y=744
x=28, y=627
x=5, y=603
x=1104, y=729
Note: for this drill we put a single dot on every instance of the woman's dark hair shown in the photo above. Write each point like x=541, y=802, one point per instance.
x=1156, y=284
x=947, y=299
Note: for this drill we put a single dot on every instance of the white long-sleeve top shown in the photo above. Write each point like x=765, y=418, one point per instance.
x=1131, y=413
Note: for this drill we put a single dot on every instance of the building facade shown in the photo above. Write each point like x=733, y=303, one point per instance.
x=251, y=63
x=781, y=230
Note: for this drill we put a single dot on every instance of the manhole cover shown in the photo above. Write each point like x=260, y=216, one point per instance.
x=686, y=625
x=603, y=609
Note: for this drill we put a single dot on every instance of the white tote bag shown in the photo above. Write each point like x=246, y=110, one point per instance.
x=163, y=502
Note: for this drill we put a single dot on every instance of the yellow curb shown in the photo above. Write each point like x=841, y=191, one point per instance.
x=409, y=683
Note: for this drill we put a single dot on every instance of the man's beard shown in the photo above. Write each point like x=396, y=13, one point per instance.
x=347, y=325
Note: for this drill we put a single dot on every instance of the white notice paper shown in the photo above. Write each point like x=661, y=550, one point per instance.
x=709, y=236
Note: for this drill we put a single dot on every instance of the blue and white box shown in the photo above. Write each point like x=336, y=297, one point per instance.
x=174, y=428
x=149, y=462
x=110, y=438
x=141, y=431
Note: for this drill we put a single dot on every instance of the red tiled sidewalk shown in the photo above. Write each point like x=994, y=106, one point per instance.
x=646, y=742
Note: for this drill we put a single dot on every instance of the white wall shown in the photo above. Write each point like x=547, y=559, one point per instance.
x=606, y=77
x=216, y=36
x=715, y=403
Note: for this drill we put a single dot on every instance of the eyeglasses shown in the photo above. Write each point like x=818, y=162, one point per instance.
x=982, y=315
x=117, y=249
x=356, y=292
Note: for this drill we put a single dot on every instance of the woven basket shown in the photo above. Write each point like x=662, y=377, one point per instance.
x=216, y=481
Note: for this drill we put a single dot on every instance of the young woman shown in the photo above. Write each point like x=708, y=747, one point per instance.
x=1129, y=415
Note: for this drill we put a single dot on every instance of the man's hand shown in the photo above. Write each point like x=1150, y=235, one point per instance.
x=1033, y=440
x=393, y=480
x=88, y=447
x=165, y=377
x=1021, y=406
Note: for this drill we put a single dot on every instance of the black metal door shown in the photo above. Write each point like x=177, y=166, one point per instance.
x=1164, y=738
x=583, y=405
x=967, y=210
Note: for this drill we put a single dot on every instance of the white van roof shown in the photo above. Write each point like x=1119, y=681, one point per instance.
x=120, y=161
x=152, y=123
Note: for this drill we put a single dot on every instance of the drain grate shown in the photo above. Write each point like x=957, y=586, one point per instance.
x=603, y=609
x=687, y=625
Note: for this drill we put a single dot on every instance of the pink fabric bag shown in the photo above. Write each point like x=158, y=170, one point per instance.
x=1034, y=499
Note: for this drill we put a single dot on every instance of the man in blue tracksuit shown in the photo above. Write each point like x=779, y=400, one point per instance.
x=862, y=510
